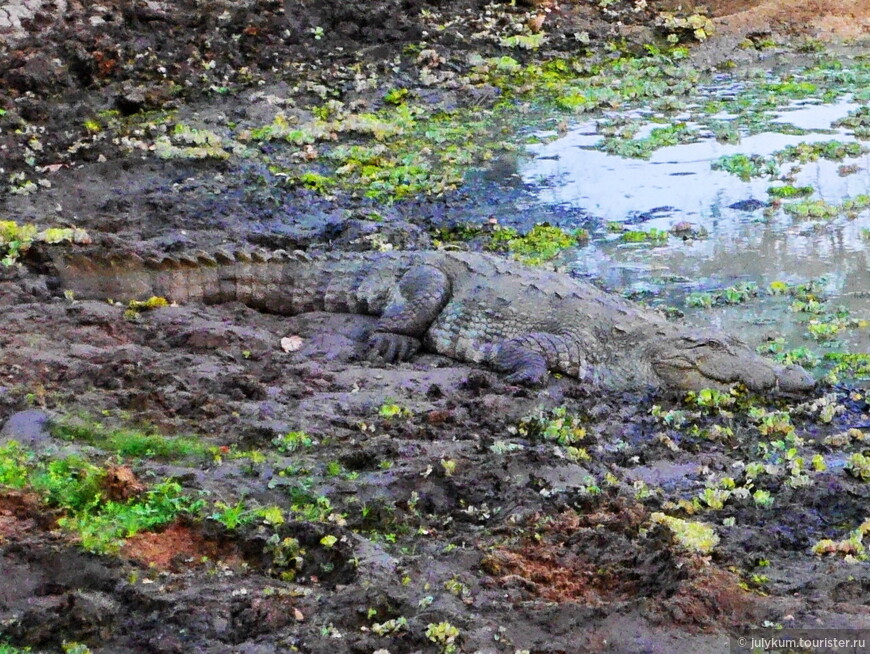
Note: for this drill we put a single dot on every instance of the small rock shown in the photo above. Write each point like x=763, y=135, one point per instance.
x=683, y=227
x=748, y=205
x=30, y=428
x=130, y=99
x=291, y=343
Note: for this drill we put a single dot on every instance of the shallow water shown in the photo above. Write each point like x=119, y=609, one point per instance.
x=677, y=184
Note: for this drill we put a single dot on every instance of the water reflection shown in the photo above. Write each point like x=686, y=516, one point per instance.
x=677, y=184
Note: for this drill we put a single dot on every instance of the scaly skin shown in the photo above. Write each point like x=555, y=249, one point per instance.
x=473, y=307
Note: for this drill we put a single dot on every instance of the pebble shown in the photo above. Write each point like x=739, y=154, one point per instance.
x=30, y=428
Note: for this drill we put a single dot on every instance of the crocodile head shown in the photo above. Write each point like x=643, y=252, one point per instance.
x=692, y=361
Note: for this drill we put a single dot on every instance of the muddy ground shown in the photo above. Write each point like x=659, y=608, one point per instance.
x=441, y=509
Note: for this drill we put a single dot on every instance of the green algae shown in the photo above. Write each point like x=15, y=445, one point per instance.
x=659, y=137
x=821, y=209
x=849, y=364
x=858, y=121
x=540, y=244
x=651, y=235
x=789, y=191
x=747, y=166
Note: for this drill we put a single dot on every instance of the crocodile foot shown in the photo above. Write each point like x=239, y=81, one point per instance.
x=525, y=366
x=393, y=347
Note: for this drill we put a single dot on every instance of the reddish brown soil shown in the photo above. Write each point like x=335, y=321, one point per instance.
x=826, y=19
x=179, y=547
x=20, y=515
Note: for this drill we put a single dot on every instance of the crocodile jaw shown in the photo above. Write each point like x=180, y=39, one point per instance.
x=692, y=362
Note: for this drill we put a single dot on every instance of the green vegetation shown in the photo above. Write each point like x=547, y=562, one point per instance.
x=232, y=516
x=851, y=547
x=104, y=525
x=390, y=410
x=16, y=239
x=691, y=536
x=402, y=150
x=131, y=442
x=652, y=235
x=801, y=356
x=749, y=166
x=396, y=96
x=580, y=85
x=135, y=307
x=6, y=648
x=695, y=26
x=858, y=466
x=76, y=487
x=555, y=425
x=292, y=442
x=287, y=556
x=444, y=635
x=524, y=41
x=75, y=648
x=830, y=150
x=855, y=365
x=788, y=191
x=850, y=207
x=737, y=294
x=643, y=148
x=711, y=399
x=186, y=142
x=746, y=166
x=405, y=149
x=390, y=627
x=858, y=121
x=812, y=209
x=725, y=132
x=540, y=244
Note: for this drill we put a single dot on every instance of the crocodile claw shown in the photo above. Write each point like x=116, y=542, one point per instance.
x=393, y=348
x=523, y=365
x=527, y=377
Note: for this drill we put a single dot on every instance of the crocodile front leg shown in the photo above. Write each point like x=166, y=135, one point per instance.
x=414, y=304
x=528, y=358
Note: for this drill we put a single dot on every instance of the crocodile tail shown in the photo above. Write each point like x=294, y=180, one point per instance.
x=224, y=276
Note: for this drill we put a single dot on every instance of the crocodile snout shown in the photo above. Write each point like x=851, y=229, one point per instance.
x=794, y=379
x=690, y=362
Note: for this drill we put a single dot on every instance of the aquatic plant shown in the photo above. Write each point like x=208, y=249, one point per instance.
x=444, y=635
x=695, y=537
x=16, y=239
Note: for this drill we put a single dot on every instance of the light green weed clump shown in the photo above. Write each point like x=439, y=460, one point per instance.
x=16, y=239
x=692, y=536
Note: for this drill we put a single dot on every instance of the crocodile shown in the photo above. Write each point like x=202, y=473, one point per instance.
x=474, y=307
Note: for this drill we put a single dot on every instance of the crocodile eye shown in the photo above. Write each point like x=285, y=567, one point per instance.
x=711, y=343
